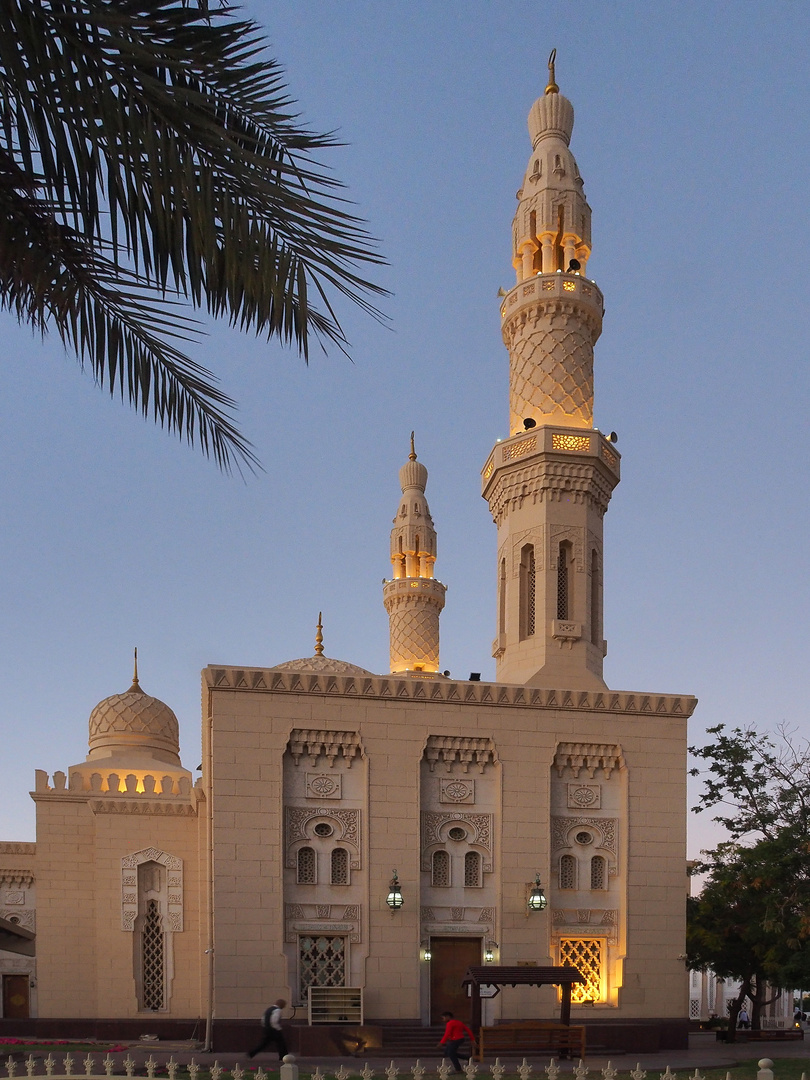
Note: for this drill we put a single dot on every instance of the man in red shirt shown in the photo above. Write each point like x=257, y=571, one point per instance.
x=454, y=1035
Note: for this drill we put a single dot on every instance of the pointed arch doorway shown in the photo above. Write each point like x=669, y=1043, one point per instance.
x=450, y=957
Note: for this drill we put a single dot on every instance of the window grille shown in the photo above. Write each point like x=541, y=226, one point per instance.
x=585, y=954
x=502, y=598
x=153, y=959
x=562, y=583
x=306, y=866
x=321, y=962
x=598, y=872
x=694, y=1008
x=441, y=869
x=340, y=866
x=472, y=870
x=568, y=872
x=531, y=588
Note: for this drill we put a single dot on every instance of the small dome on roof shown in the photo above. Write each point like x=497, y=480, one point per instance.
x=134, y=721
x=322, y=664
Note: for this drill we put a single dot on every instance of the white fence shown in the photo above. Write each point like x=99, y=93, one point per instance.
x=289, y=1070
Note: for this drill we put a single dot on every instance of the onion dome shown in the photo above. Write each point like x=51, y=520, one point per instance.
x=134, y=721
x=551, y=114
x=413, y=473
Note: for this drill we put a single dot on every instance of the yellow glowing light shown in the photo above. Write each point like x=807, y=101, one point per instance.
x=569, y=286
x=580, y=443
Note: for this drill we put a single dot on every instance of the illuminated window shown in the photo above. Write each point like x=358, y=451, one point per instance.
x=472, y=870
x=598, y=874
x=585, y=954
x=568, y=872
x=306, y=866
x=440, y=865
x=340, y=866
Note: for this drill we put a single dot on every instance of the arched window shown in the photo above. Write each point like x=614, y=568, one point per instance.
x=594, y=598
x=564, y=604
x=440, y=865
x=306, y=866
x=598, y=876
x=528, y=589
x=568, y=872
x=472, y=870
x=340, y=866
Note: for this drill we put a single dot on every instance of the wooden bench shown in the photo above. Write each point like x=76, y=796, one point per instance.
x=532, y=1035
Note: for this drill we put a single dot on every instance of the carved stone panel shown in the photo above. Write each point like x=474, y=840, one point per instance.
x=585, y=796
x=323, y=785
x=457, y=791
x=605, y=828
x=481, y=827
x=300, y=819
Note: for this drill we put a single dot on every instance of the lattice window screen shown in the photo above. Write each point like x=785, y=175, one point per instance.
x=598, y=872
x=153, y=945
x=694, y=1008
x=531, y=594
x=568, y=872
x=322, y=962
x=441, y=869
x=585, y=954
x=340, y=866
x=472, y=870
x=306, y=866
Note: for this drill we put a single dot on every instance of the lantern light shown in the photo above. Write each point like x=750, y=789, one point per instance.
x=537, y=898
x=394, y=898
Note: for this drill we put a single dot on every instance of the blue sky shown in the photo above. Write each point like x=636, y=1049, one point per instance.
x=691, y=134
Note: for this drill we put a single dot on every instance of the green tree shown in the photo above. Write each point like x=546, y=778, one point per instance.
x=751, y=920
x=151, y=160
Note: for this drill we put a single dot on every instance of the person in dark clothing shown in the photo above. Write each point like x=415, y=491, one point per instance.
x=272, y=1032
x=454, y=1035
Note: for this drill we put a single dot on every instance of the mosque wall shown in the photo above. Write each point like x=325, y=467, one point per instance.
x=385, y=752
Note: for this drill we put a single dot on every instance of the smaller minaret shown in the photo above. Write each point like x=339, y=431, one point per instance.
x=414, y=598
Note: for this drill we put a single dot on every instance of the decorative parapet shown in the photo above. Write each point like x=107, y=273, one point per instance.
x=13, y=847
x=111, y=792
x=442, y=689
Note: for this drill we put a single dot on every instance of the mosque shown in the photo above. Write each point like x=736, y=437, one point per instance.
x=357, y=842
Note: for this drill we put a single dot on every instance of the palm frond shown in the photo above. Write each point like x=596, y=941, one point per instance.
x=159, y=140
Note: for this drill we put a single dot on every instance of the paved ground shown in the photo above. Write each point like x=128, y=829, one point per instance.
x=704, y=1053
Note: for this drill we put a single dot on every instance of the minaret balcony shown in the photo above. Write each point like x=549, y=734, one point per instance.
x=417, y=589
x=583, y=444
x=559, y=288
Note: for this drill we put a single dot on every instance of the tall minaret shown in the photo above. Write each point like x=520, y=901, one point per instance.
x=414, y=598
x=549, y=483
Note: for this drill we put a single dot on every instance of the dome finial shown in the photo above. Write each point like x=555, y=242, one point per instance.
x=319, y=636
x=412, y=455
x=135, y=684
x=552, y=87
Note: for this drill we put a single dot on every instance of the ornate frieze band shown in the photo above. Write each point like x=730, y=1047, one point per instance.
x=589, y=758
x=449, y=749
x=323, y=919
x=314, y=744
x=462, y=693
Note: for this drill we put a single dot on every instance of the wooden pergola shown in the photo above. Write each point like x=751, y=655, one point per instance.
x=528, y=975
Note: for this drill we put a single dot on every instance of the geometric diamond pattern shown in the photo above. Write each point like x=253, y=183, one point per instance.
x=551, y=371
x=414, y=630
x=585, y=954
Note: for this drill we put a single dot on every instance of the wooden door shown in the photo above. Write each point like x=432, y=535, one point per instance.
x=15, y=997
x=449, y=959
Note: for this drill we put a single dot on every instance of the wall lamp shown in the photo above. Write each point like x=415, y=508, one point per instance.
x=537, y=898
x=489, y=951
x=394, y=898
